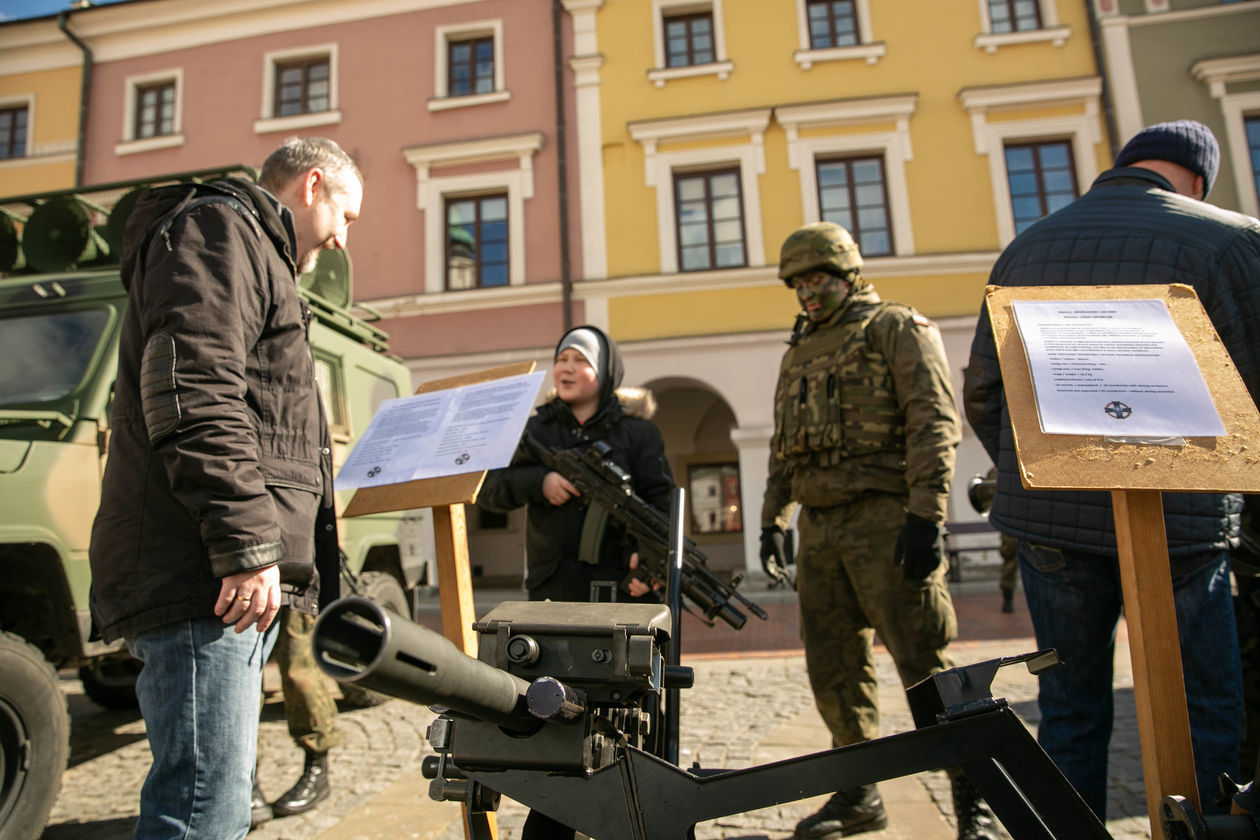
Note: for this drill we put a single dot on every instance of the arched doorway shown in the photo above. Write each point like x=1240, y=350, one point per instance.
x=696, y=422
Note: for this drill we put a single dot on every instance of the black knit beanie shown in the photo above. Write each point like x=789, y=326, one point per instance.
x=1185, y=142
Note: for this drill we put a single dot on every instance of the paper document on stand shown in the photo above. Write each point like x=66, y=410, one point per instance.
x=449, y=432
x=1117, y=368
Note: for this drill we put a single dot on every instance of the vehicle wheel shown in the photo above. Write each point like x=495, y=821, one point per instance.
x=384, y=589
x=111, y=681
x=34, y=738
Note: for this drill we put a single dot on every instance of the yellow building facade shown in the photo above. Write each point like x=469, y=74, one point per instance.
x=708, y=131
x=39, y=120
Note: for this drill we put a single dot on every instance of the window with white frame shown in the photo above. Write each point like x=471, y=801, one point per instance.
x=852, y=177
x=476, y=241
x=14, y=131
x=1014, y=16
x=302, y=86
x=832, y=30
x=704, y=194
x=853, y=193
x=688, y=40
x=709, y=212
x=468, y=65
x=155, y=110
x=1007, y=22
x=299, y=89
x=1231, y=81
x=152, y=112
x=474, y=224
x=1079, y=128
x=1041, y=179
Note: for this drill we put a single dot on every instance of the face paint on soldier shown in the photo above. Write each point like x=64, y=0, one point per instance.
x=820, y=293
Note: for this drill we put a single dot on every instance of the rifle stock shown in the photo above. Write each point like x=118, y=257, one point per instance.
x=602, y=482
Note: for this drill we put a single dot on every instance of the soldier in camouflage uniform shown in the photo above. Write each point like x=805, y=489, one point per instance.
x=310, y=708
x=864, y=439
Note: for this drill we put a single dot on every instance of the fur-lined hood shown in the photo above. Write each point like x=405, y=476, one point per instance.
x=635, y=402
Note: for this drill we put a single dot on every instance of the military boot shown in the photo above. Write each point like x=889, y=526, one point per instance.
x=1008, y=600
x=259, y=810
x=850, y=811
x=975, y=818
x=309, y=790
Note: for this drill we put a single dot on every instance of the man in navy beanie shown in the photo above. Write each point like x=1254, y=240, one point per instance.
x=1143, y=221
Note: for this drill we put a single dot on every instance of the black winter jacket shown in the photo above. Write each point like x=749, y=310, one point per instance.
x=1130, y=228
x=553, y=534
x=219, y=460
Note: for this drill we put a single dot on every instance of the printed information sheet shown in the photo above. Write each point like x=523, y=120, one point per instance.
x=458, y=430
x=1118, y=368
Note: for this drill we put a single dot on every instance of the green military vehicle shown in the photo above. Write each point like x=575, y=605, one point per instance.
x=61, y=303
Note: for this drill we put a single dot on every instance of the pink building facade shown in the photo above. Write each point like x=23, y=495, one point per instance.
x=450, y=108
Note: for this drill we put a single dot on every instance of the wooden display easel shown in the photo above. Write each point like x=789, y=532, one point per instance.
x=447, y=496
x=1135, y=474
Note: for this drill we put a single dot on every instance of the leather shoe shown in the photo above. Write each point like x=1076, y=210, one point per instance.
x=259, y=810
x=309, y=790
x=849, y=811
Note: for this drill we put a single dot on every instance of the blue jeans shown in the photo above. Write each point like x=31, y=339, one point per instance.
x=198, y=694
x=1075, y=601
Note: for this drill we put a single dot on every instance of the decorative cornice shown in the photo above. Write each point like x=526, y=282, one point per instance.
x=847, y=111
x=475, y=151
x=530, y=294
x=725, y=124
x=990, y=42
x=1216, y=73
x=1181, y=15
x=128, y=30
x=1030, y=93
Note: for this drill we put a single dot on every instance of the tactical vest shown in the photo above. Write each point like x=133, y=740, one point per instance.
x=836, y=399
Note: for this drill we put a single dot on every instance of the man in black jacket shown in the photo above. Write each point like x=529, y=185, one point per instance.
x=216, y=503
x=1143, y=221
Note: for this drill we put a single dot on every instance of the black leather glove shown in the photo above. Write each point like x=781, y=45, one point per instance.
x=918, y=548
x=773, y=560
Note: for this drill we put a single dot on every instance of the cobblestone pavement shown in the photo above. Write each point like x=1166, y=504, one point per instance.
x=727, y=721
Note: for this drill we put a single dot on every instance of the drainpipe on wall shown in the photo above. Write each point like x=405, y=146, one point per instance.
x=1109, y=112
x=62, y=20
x=562, y=171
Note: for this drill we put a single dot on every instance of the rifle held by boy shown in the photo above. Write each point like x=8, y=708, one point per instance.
x=601, y=482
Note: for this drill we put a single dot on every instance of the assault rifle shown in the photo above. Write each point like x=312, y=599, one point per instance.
x=601, y=482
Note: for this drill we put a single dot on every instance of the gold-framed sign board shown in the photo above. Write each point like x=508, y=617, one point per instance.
x=1135, y=473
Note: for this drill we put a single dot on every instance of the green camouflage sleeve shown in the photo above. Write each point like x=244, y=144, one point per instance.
x=777, y=505
x=925, y=393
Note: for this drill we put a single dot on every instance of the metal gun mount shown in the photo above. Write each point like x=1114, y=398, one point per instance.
x=553, y=713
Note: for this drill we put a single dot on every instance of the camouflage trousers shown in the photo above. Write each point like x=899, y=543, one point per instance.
x=1009, y=574
x=849, y=591
x=310, y=704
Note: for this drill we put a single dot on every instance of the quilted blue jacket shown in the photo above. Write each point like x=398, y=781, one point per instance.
x=1130, y=228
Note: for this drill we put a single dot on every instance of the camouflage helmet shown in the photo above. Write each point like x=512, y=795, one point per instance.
x=817, y=245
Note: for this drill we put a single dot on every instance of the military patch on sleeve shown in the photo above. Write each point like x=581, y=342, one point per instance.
x=921, y=320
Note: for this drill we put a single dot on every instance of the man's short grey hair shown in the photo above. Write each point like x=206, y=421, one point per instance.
x=299, y=155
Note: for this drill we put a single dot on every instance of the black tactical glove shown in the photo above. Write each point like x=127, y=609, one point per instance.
x=773, y=559
x=918, y=548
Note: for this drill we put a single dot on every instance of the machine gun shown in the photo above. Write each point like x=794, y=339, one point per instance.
x=601, y=482
x=550, y=712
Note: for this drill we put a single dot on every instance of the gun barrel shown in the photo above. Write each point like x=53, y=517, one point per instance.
x=357, y=641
